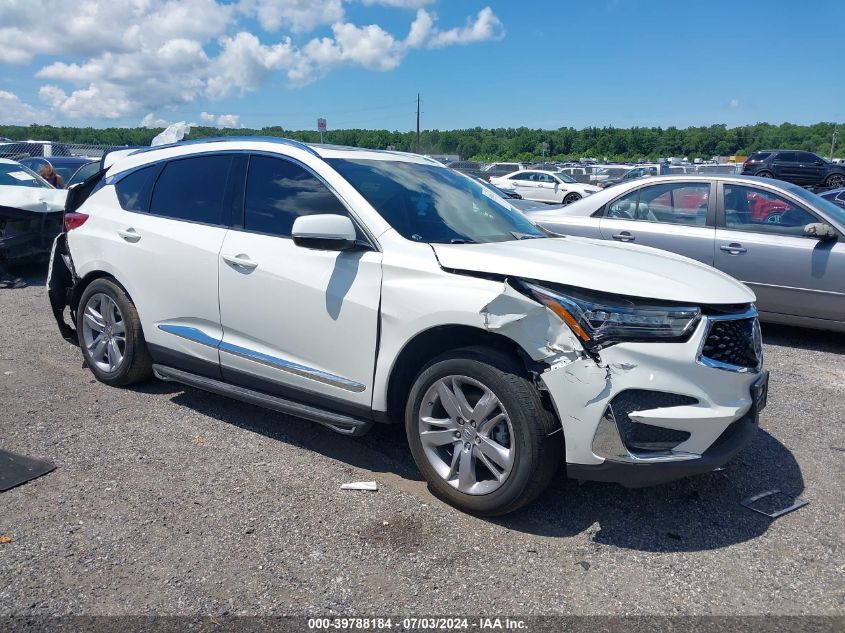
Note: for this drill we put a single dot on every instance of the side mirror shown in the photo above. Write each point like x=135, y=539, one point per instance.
x=820, y=231
x=324, y=232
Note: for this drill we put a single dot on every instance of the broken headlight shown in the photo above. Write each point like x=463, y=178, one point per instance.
x=599, y=320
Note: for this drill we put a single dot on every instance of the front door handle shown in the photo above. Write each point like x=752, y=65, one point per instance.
x=624, y=236
x=129, y=234
x=240, y=260
x=733, y=248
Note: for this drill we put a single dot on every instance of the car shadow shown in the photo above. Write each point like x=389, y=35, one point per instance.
x=692, y=514
x=33, y=274
x=803, y=338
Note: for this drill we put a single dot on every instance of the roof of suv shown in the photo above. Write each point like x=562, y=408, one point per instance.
x=147, y=155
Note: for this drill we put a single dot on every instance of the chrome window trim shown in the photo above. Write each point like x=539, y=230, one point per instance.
x=751, y=313
x=198, y=336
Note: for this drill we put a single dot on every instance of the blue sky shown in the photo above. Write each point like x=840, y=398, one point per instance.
x=476, y=63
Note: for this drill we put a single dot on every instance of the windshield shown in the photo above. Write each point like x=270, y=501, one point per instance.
x=427, y=203
x=565, y=178
x=20, y=176
x=834, y=212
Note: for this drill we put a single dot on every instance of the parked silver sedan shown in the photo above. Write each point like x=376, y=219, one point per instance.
x=786, y=243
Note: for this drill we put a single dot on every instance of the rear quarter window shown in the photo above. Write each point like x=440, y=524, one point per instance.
x=192, y=189
x=134, y=190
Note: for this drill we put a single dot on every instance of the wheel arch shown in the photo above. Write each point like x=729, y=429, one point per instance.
x=430, y=343
x=85, y=281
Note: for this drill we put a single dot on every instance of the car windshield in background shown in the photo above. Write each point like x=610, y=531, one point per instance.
x=565, y=178
x=20, y=176
x=427, y=203
x=836, y=213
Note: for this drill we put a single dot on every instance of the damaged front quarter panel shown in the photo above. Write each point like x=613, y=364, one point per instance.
x=539, y=331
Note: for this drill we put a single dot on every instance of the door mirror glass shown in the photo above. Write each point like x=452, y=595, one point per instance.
x=324, y=232
x=820, y=231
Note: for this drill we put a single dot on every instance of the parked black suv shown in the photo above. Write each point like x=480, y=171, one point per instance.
x=800, y=168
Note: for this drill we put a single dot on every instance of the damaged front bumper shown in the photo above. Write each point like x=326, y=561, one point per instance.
x=647, y=413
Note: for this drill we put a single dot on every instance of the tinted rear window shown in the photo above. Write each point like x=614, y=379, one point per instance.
x=192, y=189
x=133, y=191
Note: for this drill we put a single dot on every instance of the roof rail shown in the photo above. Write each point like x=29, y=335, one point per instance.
x=228, y=139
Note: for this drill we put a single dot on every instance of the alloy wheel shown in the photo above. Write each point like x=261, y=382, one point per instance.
x=104, y=332
x=466, y=434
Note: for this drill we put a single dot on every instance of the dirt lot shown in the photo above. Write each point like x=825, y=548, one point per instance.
x=173, y=501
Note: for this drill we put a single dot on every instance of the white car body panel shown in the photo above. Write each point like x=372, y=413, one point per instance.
x=603, y=266
x=35, y=199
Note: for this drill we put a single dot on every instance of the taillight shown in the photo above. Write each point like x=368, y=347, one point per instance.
x=74, y=220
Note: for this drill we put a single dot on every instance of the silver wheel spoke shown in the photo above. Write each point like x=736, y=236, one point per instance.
x=94, y=319
x=466, y=470
x=498, y=473
x=446, y=423
x=460, y=397
x=437, y=438
x=500, y=455
x=448, y=400
x=118, y=329
x=114, y=354
x=456, y=458
x=488, y=425
x=98, y=347
x=484, y=407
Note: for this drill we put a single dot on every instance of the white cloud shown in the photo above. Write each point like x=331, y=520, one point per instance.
x=13, y=111
x=486, y=26
x=150, y=120
x=301, y=16
x=733, y=103
x=221, y=120
x=113, y=59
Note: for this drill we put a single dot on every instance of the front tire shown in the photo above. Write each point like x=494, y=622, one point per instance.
x=479, y=432
x=110, y=335
x=835, y=181
x=571, y=197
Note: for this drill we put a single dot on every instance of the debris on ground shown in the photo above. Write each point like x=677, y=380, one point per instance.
x=5, y=539
x=770, y=510
x=360, y=485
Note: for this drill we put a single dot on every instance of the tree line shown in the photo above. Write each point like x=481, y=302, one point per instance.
x=522, y=144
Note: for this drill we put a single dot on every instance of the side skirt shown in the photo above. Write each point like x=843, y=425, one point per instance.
x=338, y=422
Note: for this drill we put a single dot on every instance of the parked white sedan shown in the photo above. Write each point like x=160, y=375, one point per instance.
x=544, y=186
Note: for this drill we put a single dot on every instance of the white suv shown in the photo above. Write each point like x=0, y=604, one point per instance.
x=351, y=286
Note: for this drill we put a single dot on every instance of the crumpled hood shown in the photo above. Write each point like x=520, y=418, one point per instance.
x=38, y=199
x=624, y=269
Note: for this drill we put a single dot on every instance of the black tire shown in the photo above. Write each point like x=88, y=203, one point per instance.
x=765, y=174
x=571, y=197
x=538, y=449
x=834, y=181
x=136, y=365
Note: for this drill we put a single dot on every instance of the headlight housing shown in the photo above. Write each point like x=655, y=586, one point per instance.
x=599, y=320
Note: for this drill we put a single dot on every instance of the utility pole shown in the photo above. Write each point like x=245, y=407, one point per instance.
x=418, y=123
x=833, y=142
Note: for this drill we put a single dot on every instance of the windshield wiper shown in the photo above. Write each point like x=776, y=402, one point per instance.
x=461, y=240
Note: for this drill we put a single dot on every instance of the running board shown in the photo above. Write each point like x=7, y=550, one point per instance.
x=337, y=422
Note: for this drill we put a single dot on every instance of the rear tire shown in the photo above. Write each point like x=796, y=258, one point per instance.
x=110, y=335
x=571, y=197
x=516, y=431
x=764, y=174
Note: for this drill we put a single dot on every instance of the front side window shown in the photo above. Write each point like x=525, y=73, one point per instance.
x=279, y=191
x=808, y=158
x=427, y=203
x=674, y=203
x=761, y=211
x=193, y=189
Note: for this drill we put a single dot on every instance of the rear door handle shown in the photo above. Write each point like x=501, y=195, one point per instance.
x=624, y=236
x=240, y=260
x=130, y=234
x=733, y=249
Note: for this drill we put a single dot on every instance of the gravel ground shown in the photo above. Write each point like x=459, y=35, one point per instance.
x=168, y=500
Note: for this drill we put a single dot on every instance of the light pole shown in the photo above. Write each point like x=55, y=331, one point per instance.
x=833, y=142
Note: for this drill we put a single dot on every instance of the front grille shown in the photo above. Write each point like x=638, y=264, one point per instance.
x=733, y=342
x=647, y=437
